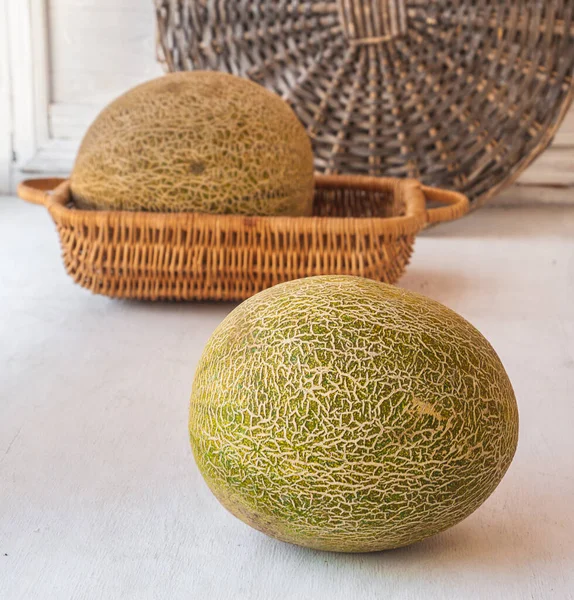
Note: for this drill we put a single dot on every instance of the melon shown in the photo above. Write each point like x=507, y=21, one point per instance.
x=344, y=414
x=202, y=142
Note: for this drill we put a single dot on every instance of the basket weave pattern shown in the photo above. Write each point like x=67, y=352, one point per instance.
x=461, y=95
x=363, y=226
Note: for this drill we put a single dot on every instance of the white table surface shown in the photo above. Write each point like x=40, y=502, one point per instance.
x=99, y=494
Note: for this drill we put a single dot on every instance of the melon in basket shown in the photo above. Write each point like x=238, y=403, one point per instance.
x=202, y=142
x=344, y=414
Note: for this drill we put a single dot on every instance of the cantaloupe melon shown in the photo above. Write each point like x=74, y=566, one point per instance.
x=344, y=414
x=201, y=141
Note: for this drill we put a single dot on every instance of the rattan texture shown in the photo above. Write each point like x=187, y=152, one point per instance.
x=459, y=94
x=362, y=226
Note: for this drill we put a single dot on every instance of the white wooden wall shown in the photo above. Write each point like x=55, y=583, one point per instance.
x=83, y=53
x=66, y=59
x=5, y=102
x=98, y=49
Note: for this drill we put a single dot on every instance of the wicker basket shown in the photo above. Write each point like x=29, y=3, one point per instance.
x=460, y=95
x=363, y=226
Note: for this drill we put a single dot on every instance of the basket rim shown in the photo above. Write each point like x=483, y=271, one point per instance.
x=412, y=192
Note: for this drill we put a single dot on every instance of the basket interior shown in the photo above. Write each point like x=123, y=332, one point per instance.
x=342, y=202
x=357, y=203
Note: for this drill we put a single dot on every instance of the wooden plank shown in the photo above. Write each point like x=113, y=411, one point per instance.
x=40, y=69
x=530, y=194
x=27, y=47
x=5, y=104
x=100, y=49
x=70, y=121
x=553, y=168
x=19, y=20
x=565, y=136
x=56, y=158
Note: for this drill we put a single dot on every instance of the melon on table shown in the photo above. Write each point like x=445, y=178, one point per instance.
x=344, y=414
x=202, y=142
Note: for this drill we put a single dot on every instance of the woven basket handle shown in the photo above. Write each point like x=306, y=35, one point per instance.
x=37, y=191
x=457, y=205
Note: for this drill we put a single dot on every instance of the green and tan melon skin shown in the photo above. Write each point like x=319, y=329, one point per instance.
x=196, y=142
x=348, y=415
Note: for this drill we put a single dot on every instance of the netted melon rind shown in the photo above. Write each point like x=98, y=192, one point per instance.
x=196, y=142
x=348, y=415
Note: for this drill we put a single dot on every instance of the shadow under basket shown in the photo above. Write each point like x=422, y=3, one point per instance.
x=361, y=226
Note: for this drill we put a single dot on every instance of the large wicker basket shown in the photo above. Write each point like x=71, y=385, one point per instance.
x=363, y=226
x=461, y=95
